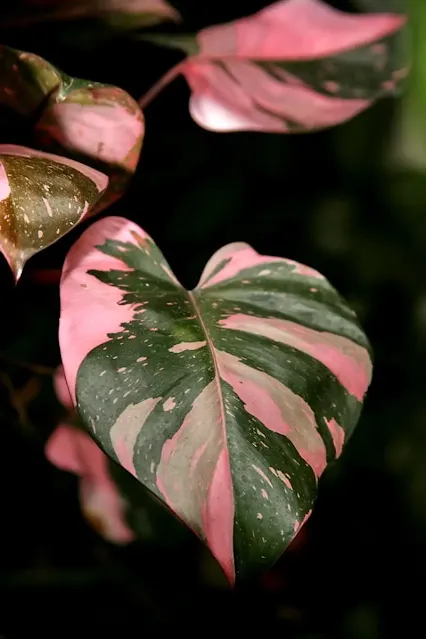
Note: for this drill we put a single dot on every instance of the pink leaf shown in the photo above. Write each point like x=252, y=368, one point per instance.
x=101, y=124
x=296, y=65
x=73, y=450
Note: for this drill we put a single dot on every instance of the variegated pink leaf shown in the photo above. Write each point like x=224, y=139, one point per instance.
x=226, y=402
x=98, y=124
x=42, y=197
x=297, y=65
x=71, y=449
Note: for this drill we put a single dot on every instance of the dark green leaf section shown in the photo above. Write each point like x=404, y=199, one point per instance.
x=368, y=72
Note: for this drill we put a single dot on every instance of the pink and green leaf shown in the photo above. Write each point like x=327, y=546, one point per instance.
x=298, y=65
x=97, y=124
x=226, y=402
x=42, y=197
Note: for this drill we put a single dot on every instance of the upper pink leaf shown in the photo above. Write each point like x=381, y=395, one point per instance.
x=296, y=65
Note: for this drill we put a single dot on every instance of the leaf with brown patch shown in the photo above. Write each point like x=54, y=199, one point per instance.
x=42, y=197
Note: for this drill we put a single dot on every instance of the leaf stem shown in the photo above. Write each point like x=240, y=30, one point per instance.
x=161, y=84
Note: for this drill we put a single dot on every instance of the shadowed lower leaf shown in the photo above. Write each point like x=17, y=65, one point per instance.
x=226, y=402
x=42, y=197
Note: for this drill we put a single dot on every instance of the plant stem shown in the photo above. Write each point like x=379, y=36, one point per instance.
x=161, y=84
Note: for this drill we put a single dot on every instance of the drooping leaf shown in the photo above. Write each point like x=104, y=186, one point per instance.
x=97, y=124
x=226, y=402
x=132, y=14
x=42, y=197
x=297, y=65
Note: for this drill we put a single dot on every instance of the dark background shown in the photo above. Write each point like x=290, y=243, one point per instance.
x=337, y=200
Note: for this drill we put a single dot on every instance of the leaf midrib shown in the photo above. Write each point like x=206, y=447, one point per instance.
x=217, y=375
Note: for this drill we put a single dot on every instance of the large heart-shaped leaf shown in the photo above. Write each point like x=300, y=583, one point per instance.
x=226, y=402
x=297, y=65
x=98, y=124
x=111, y=499
x=42, y=196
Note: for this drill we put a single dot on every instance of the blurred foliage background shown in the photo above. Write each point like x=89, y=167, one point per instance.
x=351, y=202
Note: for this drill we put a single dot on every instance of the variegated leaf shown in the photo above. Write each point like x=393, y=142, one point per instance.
x=42, y=197
x=98, y=124
x=298, y=65
x=226, y=402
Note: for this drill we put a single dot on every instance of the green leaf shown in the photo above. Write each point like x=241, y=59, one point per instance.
x=42, y=197
x=226, y=402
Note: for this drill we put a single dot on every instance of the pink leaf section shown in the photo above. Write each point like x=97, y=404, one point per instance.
x=238, y=81
x=201, y=492
x=84, y=291
x=101, y=124
x=102, y=132
x=73, y=450
x=278, y=408
x=348, y=361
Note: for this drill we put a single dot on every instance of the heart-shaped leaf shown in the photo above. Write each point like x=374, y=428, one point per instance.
x=98, y=124
x=226, y=402
x=297, y=65
x=131, y=14
x=42, y=197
